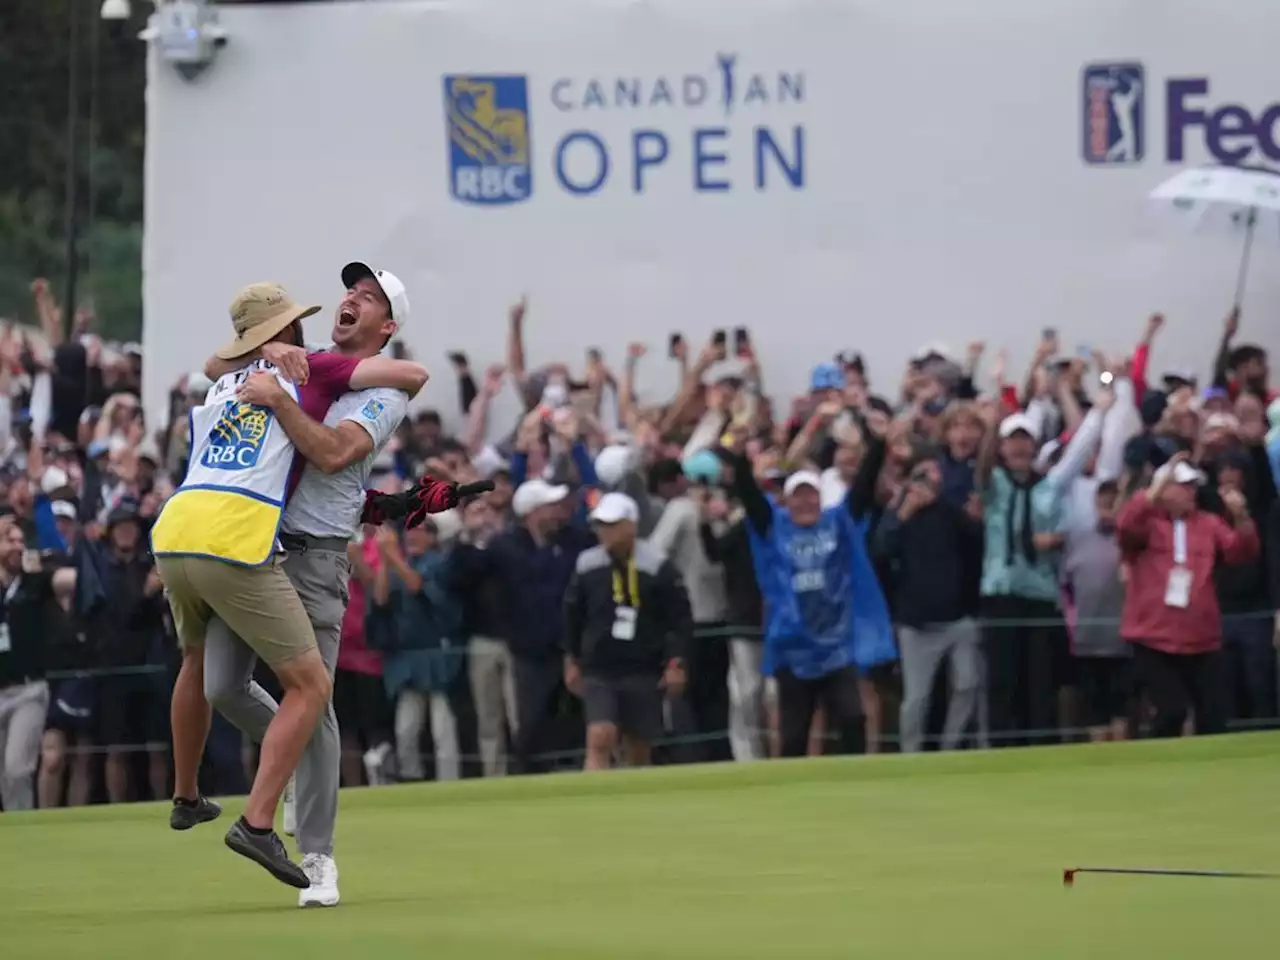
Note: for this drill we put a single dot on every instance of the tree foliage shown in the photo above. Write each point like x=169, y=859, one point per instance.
x=35, y=57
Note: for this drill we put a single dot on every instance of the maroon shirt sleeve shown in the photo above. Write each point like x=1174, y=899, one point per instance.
x=330, y=378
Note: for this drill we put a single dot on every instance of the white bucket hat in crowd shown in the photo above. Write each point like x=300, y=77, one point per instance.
x=387, y=281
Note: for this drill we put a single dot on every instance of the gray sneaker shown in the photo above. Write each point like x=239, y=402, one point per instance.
x=184, y=816
x=266, y=850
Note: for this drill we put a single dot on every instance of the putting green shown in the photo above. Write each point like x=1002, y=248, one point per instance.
x=955, y=855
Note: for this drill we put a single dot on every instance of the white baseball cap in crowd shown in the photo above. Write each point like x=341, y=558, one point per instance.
x=389, y=283
x=1180, y=472
x=53, y=480
x=1018, y=422
x=801, y=478
x=613, y=463
x=198, y=383
x=64, y=510
x=614, y=508
x=532, y=494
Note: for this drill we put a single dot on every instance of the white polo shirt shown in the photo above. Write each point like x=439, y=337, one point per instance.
x=329, y=505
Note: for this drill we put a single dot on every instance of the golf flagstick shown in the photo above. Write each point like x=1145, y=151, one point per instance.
x=1069, y=875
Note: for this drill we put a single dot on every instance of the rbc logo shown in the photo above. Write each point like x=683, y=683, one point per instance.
x=727, y=124
x=236, y=439
x=1114, y=113
x=488, y=126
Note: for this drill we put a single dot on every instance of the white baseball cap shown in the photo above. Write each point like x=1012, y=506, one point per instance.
x=198, y=383
x=801, y=478
x=1016, y=422
x=613, y=463
x=65, y=510
x=1182, y=472
x=54, y=479
x=390, y=284
x=615, y=507
x=532, y=494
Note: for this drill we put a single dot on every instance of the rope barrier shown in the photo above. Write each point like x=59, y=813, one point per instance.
x=1046, y=737
x=729, y=632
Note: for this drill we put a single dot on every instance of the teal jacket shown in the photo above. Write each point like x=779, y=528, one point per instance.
x=1008, y=572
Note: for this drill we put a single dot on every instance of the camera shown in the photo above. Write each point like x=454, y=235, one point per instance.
x=186, y=33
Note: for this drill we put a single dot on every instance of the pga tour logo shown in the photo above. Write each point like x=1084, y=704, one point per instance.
x=1114, y=98
x=1114, y=111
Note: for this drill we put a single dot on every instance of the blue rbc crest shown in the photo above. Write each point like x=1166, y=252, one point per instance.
x=1113, y=111
x=487, y=120
x=236, y=440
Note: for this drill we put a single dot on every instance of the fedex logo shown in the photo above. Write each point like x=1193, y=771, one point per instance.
x=1114, y=118
x=1231, y=131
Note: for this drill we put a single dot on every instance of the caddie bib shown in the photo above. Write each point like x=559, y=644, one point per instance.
x=230, y=504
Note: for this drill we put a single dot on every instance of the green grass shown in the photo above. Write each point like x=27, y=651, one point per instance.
x=895, y=857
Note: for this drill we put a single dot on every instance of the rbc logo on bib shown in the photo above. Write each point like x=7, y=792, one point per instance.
x=236, y=439
x=488, y=124
x=1114, y=113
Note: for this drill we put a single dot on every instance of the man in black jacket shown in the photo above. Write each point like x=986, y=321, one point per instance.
x=627, y=629
x=930, y=544
x=528, y=569
x=127, y=625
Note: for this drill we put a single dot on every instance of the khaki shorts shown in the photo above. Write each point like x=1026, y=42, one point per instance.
x=259, y=604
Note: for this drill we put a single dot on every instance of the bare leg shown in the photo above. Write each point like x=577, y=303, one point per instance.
x=157, y=773
x=189, y=716
x=53, y=766
x=117, y=776
x=602, y=738
x=637, y=753
x=81, y=782
x=873, y=711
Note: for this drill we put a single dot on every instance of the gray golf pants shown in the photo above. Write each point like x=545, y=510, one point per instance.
x=923, y=652
x=320, y=576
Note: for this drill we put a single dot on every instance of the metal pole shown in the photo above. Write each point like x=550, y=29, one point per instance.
x=71, y=186
x=1243, y=275
x=91, y=166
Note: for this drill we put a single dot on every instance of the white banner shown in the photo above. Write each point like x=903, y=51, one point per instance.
x=834, y=175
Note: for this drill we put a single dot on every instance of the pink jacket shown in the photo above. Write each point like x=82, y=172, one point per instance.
x=1146, y=539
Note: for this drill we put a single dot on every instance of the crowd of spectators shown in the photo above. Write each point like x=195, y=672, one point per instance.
x=949, y=559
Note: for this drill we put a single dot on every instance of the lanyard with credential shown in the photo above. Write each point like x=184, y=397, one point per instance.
x=1180, y=543
x=627, y=594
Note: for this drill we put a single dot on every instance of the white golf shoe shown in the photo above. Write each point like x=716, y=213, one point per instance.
x=323, y=874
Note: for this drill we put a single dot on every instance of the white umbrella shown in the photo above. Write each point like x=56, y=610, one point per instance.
x=1240, y=201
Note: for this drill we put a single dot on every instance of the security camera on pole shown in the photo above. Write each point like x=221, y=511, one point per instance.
x=186, y=33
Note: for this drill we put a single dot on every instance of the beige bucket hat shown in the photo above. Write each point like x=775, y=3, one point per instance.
x=259, y=313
